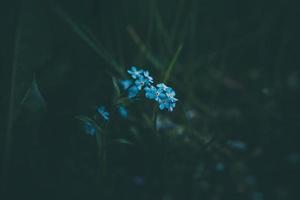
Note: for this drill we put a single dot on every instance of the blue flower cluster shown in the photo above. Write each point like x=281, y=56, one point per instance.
x=164, y=95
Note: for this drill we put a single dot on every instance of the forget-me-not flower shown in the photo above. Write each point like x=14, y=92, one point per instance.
x=102, y=111
x=166, y=97
x=147, y=77
x=151, y=92
x=144, y=80
x=134, y=72
x=166, y=104
x=162, y=86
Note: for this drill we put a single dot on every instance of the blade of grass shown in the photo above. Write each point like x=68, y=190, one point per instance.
x=143, y=47
x=11, y=108
x=87, y=36
x=172, y=64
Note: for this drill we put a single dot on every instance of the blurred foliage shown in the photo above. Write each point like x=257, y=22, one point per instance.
x=233, y=64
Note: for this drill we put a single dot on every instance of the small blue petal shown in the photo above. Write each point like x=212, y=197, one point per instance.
x=133, y=91
x=134, y=72
x=161, y=106
x=125, y=84
x=140, y=83
x=123, y=111
x=101, y=110
x=150, y=92
x=161, y=86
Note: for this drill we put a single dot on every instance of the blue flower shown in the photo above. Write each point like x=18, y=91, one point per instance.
x=139, y=180
x=165, y=97
x=162, y=86
x=125, y=84
x=150, y=92
x=133, y=91
x=134, y=72
x=89, y=128
x=170, y=93
x=166, y=104
x=237, y=145
x=148, y=77
x=123, y=111
x=140, y=83
x=143, y=81
x=101, y=110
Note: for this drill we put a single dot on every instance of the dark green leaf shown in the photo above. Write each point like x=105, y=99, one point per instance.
x=123, y=141
x=116, y=87
x=33, y=99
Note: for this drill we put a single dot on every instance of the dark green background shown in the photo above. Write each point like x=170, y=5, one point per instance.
x=238, y=70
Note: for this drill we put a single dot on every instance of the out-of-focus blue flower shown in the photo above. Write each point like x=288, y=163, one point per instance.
x=257, y=196
x=134, y=72
x=250, y=180
x=126, y=83
x=220, y=167
x=237, y=145
x=163, y=123
x=123, y=111
x=89, y=128
x=191, y=114
x=102, y=111
x=139, y=180
x=133, y=91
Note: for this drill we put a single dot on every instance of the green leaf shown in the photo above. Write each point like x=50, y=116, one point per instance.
x=86, y=119
x=33, y=99
x=137, y=40
x=124, y=101
x=116, y=88
x=123, y=141
x=171, y=65
x=88, y=37
x=32, y=46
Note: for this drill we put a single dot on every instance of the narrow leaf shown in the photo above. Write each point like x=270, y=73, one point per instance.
x=33, y=99
x=116, y=88
x=171, y=65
